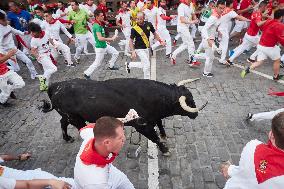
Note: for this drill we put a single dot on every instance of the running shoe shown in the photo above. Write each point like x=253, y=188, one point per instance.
x=127, y=67
x=250, y=60
x=277, y=77
x=245, y=72
x=207, y=74
x=231, y=52
x=42, y=84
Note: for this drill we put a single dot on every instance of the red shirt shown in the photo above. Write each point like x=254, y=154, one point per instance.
x=3, y=67
x=272, y=33
x=243, y=5
x=253, y=27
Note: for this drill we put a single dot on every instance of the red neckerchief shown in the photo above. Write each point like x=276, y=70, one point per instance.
x=98, y=22
x=183, y=1
x=90, y=156
x=41, y=35
x=268, y=162
x=271, y=92
x=52, y=21
x=62, y=9
x=142, y=1
x=214, y=13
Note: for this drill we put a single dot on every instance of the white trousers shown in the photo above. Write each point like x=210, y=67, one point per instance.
x=48, y=67
x=27, y=39
x=143, y=54
x=266, y=115
x=187, y=43
x=193, y=30
x=91, y=40
x=209, y=57
x=33, y=174
x=59, y=45
x=126, y=32
x=223, y=45
x=81, y=40
x=23, y=57
x=248, y=42
x=164, y=35
x=6, y=89
x=100, y=54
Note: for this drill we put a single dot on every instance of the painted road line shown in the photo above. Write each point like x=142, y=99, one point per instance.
x=153, y=164
x=259, y=73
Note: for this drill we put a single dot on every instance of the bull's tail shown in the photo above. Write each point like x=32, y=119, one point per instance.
x=46, y=106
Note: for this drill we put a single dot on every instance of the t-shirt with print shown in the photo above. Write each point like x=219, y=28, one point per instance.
x=98, y=28
x=253, y=28
x=147, y=28
x=19, y=21
x=41, y=44
x=81, y=18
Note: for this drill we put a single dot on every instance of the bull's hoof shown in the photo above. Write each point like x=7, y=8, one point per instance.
x=167, y=154
x=69, y=139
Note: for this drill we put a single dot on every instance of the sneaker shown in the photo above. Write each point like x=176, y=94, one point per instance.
x=250, y=60
x=224, y=62
x=231, y=52
x=12, y=95
x=173, y=61
x=207, y=75
x=282, y=64
x=245, y=52
x=42, y=84
x=77, y=60
x=194, y=64
x=229, y=63
x=174, y=42
x=87, y=77
x=249, y=116
x=113, y=68
x=6, y=104
x=169, y=55
x=71, y=65
x=245, y=72
x=127, y=67
x=197, y=52
x=277, y=77
x=32, y=58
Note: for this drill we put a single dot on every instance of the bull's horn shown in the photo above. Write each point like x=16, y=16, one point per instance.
x=183, y=82
x=187, y=108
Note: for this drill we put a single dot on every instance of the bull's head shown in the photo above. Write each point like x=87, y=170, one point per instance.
x=186, y=100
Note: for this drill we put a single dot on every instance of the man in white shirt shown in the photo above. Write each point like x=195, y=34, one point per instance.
x=123, y=20
x=7, y=43
x=162, y=30
x=185, y=14
x=208, y=36
x=225, y=27
x=261, y=165
x=101, y=144
x=53, y=27
x=41, y=50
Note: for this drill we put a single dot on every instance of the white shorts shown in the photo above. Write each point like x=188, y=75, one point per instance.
x=268, y=52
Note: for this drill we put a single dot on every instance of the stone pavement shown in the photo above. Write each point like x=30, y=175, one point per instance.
x=198, y=146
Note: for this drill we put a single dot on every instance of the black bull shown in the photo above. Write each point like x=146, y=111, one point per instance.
x=80, y=100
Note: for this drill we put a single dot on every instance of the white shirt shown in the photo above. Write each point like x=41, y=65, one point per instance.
x=152, y=16
x=7, y=183
x=6, y=37
x=226, y=21
x=59, y=12
x=184, y=11
x=125, y=17
x=41, y=44
x=54, y=30
x=209, y=29
x=89, y=9
x=89, y=176
x=244, y=176
x=162, y=24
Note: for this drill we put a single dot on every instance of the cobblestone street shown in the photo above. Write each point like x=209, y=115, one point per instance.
x=197, y=146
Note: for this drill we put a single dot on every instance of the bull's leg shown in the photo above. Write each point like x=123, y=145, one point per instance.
x=64, y=124
x=162, y=130
x=149, y=132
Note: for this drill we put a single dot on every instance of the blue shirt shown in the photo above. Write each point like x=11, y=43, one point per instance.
x=19, y=21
